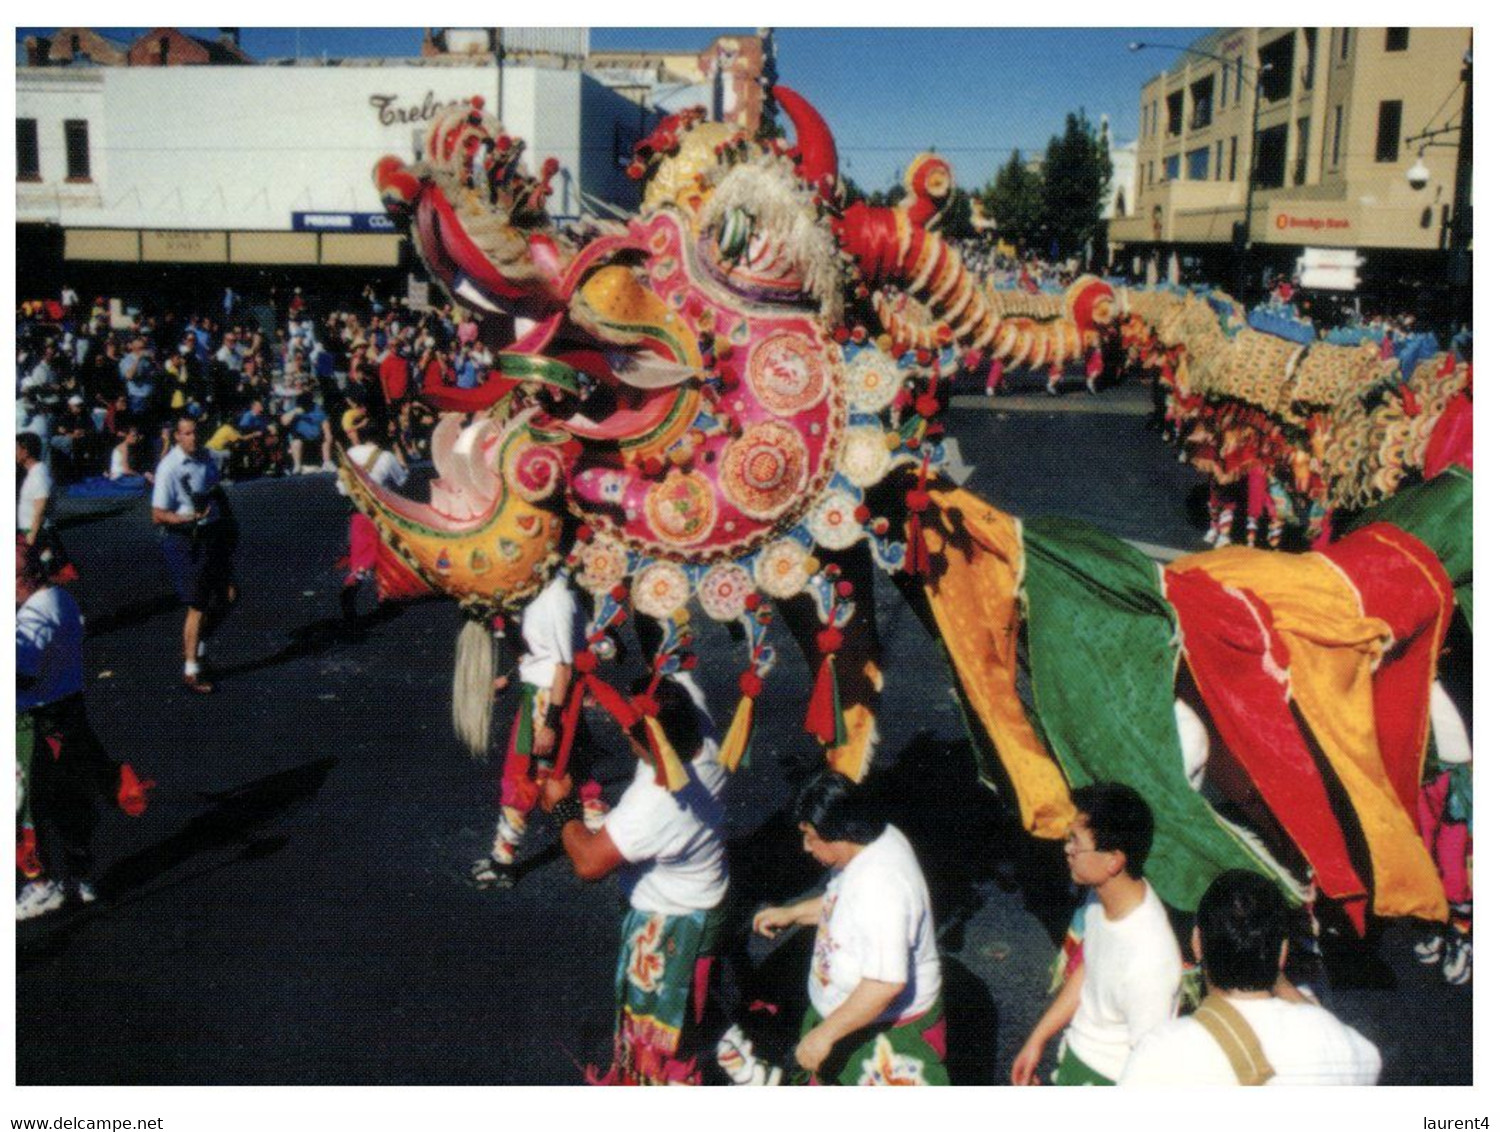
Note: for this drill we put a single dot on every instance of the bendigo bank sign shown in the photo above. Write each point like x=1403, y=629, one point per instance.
x=1285, y=220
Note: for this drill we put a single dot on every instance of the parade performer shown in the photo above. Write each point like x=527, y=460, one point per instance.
x=876, y=986
x=198, y=537
x=551, y=630
x=1127, y=981
x=62, y=767
x=668, y=850
x=1254, y=1027
x=1446, y=820
x=389, y=472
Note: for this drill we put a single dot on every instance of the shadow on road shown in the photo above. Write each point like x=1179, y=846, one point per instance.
x=232, y=822
x=131, y=613
x=311, y=639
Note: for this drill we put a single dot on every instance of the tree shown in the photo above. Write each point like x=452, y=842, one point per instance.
x=1014, y=201
x=955, y=223
x=1075, y=182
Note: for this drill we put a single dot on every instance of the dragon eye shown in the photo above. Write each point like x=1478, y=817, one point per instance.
x=734, y=237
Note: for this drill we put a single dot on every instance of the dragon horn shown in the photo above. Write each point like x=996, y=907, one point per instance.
x=816, y=155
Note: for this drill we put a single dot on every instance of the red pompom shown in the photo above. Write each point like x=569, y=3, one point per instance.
x=585, y=534
x=859, y=333
x=924, y=357
x=861, y=514
x=689, y=662
x=750, y=684
x=918, y=501
x=840, y=335
x=752, y=602
x=928, y=406
x=652, y=465
x=830, y=640
x=619, y=592
x=586, y=662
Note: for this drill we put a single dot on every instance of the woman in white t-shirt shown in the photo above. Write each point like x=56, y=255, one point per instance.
x=876, y=1012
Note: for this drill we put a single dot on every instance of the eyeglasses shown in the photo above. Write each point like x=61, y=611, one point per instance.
x=1073, y=849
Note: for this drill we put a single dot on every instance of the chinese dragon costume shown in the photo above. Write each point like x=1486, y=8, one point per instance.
x=732, y=401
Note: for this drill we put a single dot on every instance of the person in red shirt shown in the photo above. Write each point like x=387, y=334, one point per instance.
x=395, y=374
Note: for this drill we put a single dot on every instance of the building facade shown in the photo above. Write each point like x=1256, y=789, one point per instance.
x=268, y=165
x=1320, y=160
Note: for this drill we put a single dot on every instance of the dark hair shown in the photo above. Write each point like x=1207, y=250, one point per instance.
x=677, y=714
x=1242, y=923
x=838, y=809
x=30, y=443
x=1120, y=821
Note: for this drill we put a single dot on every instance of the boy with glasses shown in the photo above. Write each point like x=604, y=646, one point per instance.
x=1127, y=982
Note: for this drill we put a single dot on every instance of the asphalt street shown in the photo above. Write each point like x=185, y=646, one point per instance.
x=294, y=907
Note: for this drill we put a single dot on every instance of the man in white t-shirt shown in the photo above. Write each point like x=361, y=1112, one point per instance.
x=551, y=630
x=875, y=986
x=1254, y=1027
x=36, y=487
x=668, y=850
x=385, y=471
x=1127, y=982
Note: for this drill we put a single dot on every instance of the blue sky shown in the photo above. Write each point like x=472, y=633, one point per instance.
x=972, y=93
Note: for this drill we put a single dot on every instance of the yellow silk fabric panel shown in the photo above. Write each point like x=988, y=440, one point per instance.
x=975, y=607
x=1333, y=647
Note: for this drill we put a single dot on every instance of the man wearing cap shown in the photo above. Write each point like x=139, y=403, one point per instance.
x=197, y=539
x=385, y=471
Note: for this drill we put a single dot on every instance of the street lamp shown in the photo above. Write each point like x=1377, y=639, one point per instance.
x=1460, y=227
x=1242, y=241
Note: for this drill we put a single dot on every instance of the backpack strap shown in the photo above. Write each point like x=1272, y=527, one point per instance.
x=1228, y=1028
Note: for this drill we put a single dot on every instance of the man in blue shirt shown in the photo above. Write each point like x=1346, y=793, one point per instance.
x=197, y=539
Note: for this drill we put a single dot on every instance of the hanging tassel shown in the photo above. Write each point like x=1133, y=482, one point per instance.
x=918, y=501
x=737, y=739
x=669, y=770
x=825, y=716
x=571, y=712
x=131, y=796
x=27, y=859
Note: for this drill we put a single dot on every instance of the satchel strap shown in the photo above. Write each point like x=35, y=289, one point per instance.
x=1228, y=1028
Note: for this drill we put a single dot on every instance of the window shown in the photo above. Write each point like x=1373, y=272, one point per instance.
x=1276, y=59
x=1234, y=157
x=1223, y=84
x=1197, y=164
x=28, y=155
x=1299, y=168
x=1171, y=169
x=1239, y=80
x=1311, y=36
x=1344, y=42
x=163, y=51
x=1338, y=135
x=1270, y=158
x=1174, y=114
x=1396, y=39
x=1202, y=92
x=1219, y=160
x=76, y=134
x=1388, y=134
x=1140, y=181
